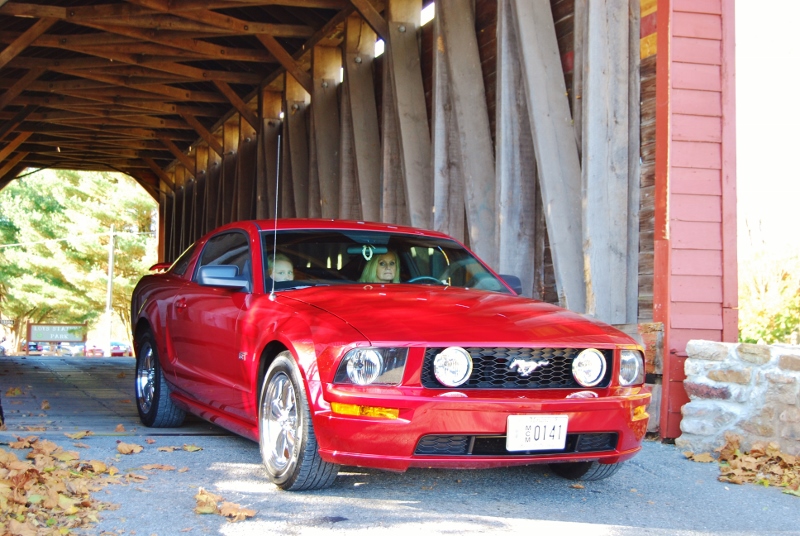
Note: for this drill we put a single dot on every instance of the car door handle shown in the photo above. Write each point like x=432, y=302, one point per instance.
x=180, y=304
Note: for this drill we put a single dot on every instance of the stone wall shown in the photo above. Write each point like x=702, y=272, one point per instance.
x=752, y=390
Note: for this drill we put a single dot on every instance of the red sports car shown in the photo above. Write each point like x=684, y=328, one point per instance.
x=350, y=343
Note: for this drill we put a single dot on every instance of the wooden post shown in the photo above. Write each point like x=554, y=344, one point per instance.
x=468, y=98
x=448, y=185
x=245, y=171
x=286, y=197
x=230, y=144
x=297, y=100
x=162, y=222
x=180, y=209
x=271, y=102
x=394, y=208
x=326, y=64
x=554, y=143
x=516, y=163
x=634, y=159
x=605, y=160
x=410, y=109
x=363, y=114
x=213, y=172
x=201, y=167
x=349, y=202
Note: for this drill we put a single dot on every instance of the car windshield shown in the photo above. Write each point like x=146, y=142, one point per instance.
x=325, y=257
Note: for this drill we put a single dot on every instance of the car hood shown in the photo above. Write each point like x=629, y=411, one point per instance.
x=451, y=315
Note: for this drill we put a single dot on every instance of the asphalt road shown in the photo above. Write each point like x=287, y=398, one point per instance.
x=658, y=492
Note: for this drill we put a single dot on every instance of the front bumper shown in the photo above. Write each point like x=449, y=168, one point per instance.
x=471, y=427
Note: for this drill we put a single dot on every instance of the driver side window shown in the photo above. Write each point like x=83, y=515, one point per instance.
x=229, y=249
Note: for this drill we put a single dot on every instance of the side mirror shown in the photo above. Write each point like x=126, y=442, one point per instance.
x=513, y=281
x=222, y=276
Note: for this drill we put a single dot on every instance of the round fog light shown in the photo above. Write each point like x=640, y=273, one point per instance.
x=364, y=367
x=589, y=367
x=452, y=366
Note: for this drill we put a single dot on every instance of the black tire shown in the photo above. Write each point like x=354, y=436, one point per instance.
x=156, y=409
x=586, y=471
x=286, y=434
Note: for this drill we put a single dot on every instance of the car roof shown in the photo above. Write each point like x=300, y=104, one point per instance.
x=288, y=224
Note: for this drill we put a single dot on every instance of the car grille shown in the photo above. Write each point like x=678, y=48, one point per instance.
x=491, y=368
x=465, y=445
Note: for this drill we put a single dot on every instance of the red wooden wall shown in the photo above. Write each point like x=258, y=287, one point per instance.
x=695, y=289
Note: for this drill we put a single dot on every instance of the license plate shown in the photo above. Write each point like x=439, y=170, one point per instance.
x=536, y=432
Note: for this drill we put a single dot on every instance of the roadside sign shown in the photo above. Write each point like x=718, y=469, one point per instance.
x=56, y=332
x=5, y=322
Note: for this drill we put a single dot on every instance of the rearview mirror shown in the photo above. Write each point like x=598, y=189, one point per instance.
x=513, y=281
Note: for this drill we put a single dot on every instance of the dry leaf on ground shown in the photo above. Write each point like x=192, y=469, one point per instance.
x=129, y=448
x=45, y=405
x=192, y=448
x=235, y=512
x=119, y=428
x=159, y=466
x=13, y=391
x=79, y=435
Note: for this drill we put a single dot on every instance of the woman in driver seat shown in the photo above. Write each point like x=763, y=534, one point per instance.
x=383, y=268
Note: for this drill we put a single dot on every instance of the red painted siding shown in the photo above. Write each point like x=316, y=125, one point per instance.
x=700, y=187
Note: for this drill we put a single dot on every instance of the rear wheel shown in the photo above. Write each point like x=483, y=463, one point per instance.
x=286, y=434
x=155, y=406
x=586, y=471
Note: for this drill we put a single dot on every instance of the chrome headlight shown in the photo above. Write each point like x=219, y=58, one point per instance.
x=631, y=367
x=452, y=366
x=589, y=367
x=372, y=366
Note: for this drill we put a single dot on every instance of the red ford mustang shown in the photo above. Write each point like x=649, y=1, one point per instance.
x=339, y=342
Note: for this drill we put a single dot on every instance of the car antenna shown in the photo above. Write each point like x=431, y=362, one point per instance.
x=275, y=229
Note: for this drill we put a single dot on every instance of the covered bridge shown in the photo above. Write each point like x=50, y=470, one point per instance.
x=587, y=146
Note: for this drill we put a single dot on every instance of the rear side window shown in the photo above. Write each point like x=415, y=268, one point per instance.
x=179, y=267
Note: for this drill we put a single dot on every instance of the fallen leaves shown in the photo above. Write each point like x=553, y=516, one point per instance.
x=129, y=448
x=764, y=465
x=13, y=391
x=45, y=405
x=49, y=491
x=79, y=435
x=119, y=428
x=208, y=503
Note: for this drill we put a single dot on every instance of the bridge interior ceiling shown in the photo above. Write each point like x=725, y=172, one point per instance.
x=125, y=86
x=226, y=110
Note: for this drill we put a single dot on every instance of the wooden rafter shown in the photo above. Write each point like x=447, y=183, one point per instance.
x=287, y=61
x=30, y=35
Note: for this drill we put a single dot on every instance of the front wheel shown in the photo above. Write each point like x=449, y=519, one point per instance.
x=156, y=408
x=586, y=471
x=286, y=434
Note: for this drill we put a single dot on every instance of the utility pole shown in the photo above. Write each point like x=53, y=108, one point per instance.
x=109, y=309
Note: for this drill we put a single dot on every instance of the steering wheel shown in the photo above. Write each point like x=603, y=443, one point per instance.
x=424, y=278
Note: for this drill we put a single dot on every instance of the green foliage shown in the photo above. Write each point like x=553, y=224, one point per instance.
x=62, y=221
x=769, y=299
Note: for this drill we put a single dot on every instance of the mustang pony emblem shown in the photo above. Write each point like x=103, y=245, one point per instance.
x=526, y=368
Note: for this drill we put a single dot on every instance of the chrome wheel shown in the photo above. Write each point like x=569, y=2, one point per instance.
x=286, y=436
x=280, y=425
x=145, y=379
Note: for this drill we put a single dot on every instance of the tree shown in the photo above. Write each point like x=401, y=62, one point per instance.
x=54, y=235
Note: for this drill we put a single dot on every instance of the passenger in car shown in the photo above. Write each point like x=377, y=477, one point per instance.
x=280, y=268
x=382, y=269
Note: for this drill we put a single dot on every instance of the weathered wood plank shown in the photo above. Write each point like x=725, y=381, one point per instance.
x=267, y=171
x=448, y=186
x=412, y=119
x=516, y=163
x=696, y=128
x=246, y=171
x=363, y=111
x=227, y=182
x=349, y=202
x=201, y=166
x=554, y=143
x=213, y=171
x=605, y=169
x=634, y=160
x=296, y=106
x=472, y=119
x=698, y=6
x=326, y=64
